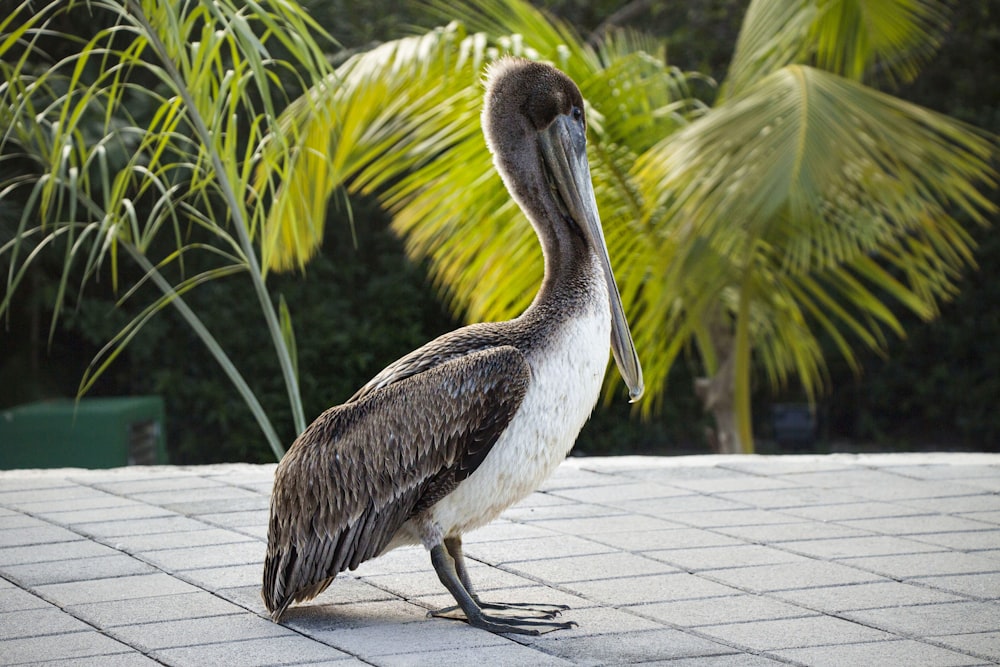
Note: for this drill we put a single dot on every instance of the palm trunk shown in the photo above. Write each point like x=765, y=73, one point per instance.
x=718, y=394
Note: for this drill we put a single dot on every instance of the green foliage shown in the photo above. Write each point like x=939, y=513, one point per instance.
x=938, y=387
x=106, y=187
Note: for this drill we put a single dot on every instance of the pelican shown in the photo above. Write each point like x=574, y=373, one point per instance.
x=444, y=439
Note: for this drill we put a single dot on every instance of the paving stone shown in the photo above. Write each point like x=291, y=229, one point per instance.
x=130, y=659
x=508, y=655
x=247, y=597
x=21, y=498
x=597, y=621
x=502, y=530
x=991, y=484
x=554, y=546
x=249, y=502
x=691, y=503
x=732, y=483
x=425, y=582
x=288, y=650
x=904, y=652
x=739, y=517
x=790, y=532
x=983, y=644
x=673, y=538
x=202, y=535
x=853, y=547
x=537, y=595
x=16, y=521
x=951, y=471
x=46, y=620
x=582, y=568
x=630, y=647
x=917, y=525
x=902, y=489
x=782, y=466
x=788, y=497
x=370, y=641
x=907, y=566
x=615, y=494
x=79, y=569
x=713, y=558
x=12, y=482
x=96, y=500
x=14, y=599
x=856, y=510
x=193, y=631
x=230, y=576
x=794, y=633
x=992, y=516
x=317, y=620
x=568, y=477
x=206, y=493
x=61, y=648
x=560, y=511
x=983, y=586
x=115, y=588
x=787, y=576
x=979, y=502
x=112, y=529
x=145, y=484
x=111, y=613
x=848, y=480
x=60, y=551
x=242, y=519
x=542, y=499
x=104, y=514
x=40, y=534
x=651, y=588
x=255, y=532
x=837, y=599
x=715, y=611
x=728, y=660
x=597, y=525
x=216, y=555
x=970, y=540
x=933, y=619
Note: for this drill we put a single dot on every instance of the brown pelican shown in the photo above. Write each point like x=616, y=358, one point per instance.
x=447, y=437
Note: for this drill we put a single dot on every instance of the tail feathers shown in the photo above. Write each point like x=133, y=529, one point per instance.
x=282, y=583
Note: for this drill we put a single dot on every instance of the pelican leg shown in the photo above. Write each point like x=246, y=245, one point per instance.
x=454, y=547
x=444, y=565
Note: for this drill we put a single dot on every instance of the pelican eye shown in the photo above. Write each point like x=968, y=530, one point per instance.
x=577, y=113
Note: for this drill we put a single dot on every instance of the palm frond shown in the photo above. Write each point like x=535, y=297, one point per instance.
x=861, y=40
x=207, y=75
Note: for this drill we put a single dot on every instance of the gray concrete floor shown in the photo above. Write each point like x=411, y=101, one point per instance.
x=835, y=560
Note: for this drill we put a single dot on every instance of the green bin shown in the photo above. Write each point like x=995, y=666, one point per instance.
x=90, y=433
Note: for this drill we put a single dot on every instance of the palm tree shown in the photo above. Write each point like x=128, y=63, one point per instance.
x=800, y=206
x=133, y=142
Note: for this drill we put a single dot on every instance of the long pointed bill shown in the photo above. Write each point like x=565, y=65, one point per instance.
x=565, y=153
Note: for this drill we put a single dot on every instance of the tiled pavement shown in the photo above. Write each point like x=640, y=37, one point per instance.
x=838, y=560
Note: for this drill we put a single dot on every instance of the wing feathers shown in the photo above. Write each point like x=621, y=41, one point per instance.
x=362, y=469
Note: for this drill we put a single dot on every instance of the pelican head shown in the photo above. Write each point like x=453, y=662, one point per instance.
x=536, y=130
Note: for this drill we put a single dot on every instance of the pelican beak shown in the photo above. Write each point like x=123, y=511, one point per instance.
x=564, y=150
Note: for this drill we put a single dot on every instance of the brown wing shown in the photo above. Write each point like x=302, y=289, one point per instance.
x=362, y=469
x=450, y=346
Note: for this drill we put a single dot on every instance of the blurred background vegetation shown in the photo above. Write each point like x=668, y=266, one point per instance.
x=361, y=303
